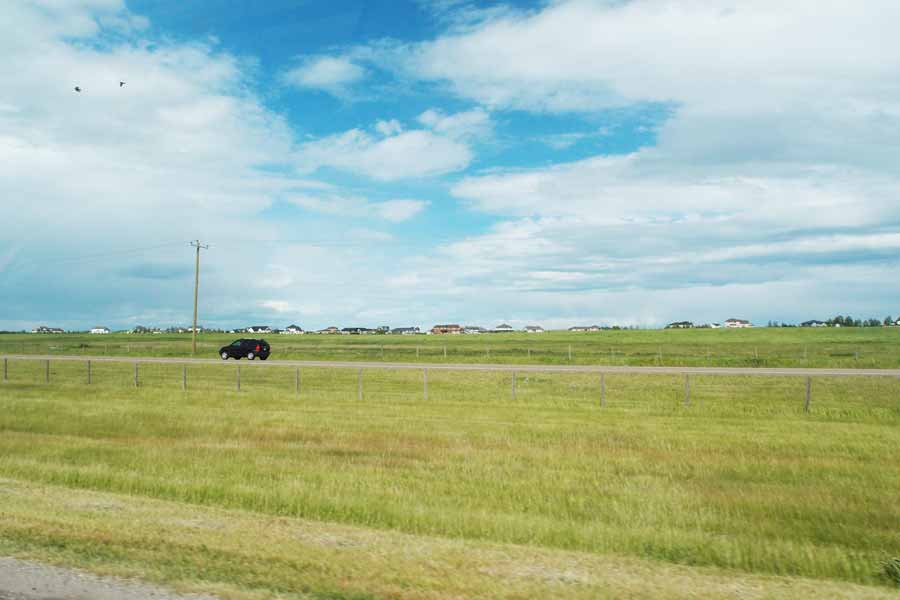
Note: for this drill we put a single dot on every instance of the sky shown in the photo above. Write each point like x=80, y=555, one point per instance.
x=412, y=162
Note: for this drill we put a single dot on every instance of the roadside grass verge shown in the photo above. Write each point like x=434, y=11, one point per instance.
x=740, y=479
x=243, y=555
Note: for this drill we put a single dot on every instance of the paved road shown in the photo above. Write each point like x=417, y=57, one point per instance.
x=24, y=580
x=337, y=364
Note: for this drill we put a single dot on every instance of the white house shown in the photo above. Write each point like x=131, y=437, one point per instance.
x=98, y=330
x=292, y=330
x=534, y=329
x=503, y=328
x=737, y=324
x=258, y=329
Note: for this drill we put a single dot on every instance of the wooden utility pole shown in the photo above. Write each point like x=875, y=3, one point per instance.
x=196, y=245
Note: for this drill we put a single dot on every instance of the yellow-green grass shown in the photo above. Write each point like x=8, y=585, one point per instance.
x=739, y=486
x=868, y=347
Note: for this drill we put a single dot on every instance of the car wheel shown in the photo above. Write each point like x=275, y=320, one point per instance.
x=250, y=356
x=224, y=356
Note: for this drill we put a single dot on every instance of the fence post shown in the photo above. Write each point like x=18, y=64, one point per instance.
x=529, y=354
x=602, y=389
x=513, y=385
x=417, y=353
x=135, y=374
x=5, y=370
x=183, y=378
x=487, y=351
x=89, y=372
x=359, y=395
x=808, y=394
x=297, y=381
x=687, y=389
x=239, y=378
x=47, y=371
x=445, y=352
x=382, y=352
x=570, y=352
x=425, y=382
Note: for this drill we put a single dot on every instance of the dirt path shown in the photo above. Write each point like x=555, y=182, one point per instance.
x=23, y=580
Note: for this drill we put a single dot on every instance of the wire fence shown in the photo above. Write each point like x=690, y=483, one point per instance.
x=862, y=394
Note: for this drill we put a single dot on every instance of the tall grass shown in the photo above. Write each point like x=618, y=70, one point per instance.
x=741, y=478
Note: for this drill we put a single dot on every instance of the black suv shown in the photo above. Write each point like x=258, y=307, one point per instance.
x=245, y=348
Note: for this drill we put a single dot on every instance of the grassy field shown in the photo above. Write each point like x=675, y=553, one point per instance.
x=266, y=493
x=780, y=347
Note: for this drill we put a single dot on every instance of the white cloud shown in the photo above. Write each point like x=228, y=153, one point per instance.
x=359, y=208
x=474, y=123
x=584, y=54
x=331, y=74
x=388, y=128
x=409, y=154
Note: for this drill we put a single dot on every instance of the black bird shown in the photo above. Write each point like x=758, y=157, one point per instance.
x=77, y=89
x=121, y=83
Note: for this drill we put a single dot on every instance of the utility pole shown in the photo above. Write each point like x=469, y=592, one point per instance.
x=196, y=291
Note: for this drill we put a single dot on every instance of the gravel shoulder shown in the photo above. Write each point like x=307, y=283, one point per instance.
x=25, y=580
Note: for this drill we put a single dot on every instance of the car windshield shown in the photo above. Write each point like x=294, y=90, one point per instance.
x=237, y=343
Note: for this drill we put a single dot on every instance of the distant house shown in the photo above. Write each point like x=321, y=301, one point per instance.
x=534, y=329
x=405, y=331
x=813, y=323
x=452, y=328
x=502, y=328
x=737, y=324
x=258, y=329
x=330, y=331
x=45, y=329
x=474, y=330
x=98, y=330
x=293, y=330
x=680, y=325
x=582, y=328
x=357, y=331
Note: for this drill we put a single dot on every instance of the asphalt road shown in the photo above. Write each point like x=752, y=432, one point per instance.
x=336, y=364
x=25, y=580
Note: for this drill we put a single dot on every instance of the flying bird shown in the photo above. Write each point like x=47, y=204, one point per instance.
x=77, y=89
x=121, y=83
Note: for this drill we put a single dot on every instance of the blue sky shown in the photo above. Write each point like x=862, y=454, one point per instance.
x=557, y=162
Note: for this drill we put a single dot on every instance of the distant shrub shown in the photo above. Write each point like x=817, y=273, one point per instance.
x=892, y=569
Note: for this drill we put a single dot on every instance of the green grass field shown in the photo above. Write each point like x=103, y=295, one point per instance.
x=781, y=347
x=266, y=493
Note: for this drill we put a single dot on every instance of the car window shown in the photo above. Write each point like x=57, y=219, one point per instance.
x=237, y=343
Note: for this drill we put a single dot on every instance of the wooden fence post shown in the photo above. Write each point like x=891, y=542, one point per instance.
x=297, y=381
x=570, y=352
x=808, y=394
x=359, y=394
x=47, y=371
x=417, y=353
x=239, y=378
x=425, y=382
x=445, y=352
x=135, y=374
x=687, y=389
x=89, y=372
x=513, y=385
x=5, y=370
x=183, y=378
